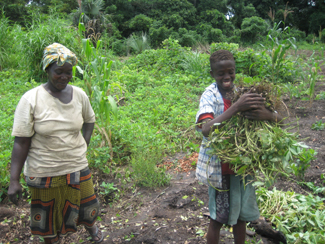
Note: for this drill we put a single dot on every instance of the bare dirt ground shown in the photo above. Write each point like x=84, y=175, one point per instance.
x=176, y=213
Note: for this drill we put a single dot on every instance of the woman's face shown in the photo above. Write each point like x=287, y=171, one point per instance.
x=59, y=76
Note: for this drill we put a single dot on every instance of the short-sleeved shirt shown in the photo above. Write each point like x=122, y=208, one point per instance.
x=208, y=169
x=57, y=145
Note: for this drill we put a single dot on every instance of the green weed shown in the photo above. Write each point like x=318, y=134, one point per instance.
x=318, y=125
x=107, y=188
x=145, y=171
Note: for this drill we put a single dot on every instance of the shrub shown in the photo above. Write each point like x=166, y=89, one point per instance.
x=140, y=22
x=211, y=34
x=138, y=42
x=120, y=47
x=235, y=37
x=252, y=29
x=215, y=35
x=158, y=33
x=174, y=21
x=231, y=47
x=186, y=38
x=145, y=171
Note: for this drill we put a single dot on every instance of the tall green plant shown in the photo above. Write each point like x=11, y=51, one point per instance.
x=312, y=81
x=96, y=74
x=41, y=32
x=5, y=34
x=277, y=53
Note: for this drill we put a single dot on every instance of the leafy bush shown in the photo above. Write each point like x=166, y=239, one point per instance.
x=235, y=37
x=217, y=20
x=174, y=21
x=145, y=171
x=210, y=33
x=185, y=38
x=231, y=47
x=166, y=59
x=253, y=28
x=140, y=22
x=158, y=33
x=120, y=47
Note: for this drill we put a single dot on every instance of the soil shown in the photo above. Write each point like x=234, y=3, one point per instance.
x=176, y=213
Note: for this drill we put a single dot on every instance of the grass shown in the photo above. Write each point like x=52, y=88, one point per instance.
x=13, y=84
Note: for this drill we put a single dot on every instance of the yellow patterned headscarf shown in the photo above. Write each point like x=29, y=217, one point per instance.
x=58, y=53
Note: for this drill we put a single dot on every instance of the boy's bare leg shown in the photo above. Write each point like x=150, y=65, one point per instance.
x=240, y=232
x=213, y=232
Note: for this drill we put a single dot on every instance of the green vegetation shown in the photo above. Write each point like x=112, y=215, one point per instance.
x=299, y=217
x=318, y=125
x=144, y=65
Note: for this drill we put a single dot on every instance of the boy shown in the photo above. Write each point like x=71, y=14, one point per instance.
x=229, y=201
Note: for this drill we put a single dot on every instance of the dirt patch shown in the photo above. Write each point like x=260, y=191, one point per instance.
x=176, y=213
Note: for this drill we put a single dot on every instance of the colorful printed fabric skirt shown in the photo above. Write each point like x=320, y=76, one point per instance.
x=59, y=204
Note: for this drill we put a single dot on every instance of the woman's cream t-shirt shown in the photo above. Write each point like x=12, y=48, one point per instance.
x=57, y=145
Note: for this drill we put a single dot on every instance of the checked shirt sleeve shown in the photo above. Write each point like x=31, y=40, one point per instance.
x=208, y=170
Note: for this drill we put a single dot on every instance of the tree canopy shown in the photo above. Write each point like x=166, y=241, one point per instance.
x=225, y=17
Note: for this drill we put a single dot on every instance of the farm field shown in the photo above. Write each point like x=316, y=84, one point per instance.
x=176, y=212
x=144, y=65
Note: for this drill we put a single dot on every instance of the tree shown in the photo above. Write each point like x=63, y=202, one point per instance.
x=204, y=5
x=239, y=10
x=15, y=10
x=95, y=21
x=252, y=28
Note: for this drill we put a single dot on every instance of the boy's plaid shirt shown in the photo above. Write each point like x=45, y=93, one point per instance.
x=211, y=102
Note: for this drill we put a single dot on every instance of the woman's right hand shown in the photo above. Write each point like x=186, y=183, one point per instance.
x=14, y=189
x=249, y=101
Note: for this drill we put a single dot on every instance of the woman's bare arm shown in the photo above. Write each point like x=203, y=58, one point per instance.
x=18, y=158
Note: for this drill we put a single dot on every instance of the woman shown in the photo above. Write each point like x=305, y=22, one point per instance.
x=48, y=141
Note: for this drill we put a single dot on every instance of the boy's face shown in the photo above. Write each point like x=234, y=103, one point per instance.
x=224, y=73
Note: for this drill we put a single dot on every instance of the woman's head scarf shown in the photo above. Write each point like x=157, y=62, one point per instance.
x=58, y=53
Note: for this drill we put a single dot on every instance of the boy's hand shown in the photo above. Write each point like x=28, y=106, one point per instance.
x=249, y=101
x=260, y=113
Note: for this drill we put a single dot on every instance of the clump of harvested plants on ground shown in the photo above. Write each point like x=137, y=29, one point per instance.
x=260, y=148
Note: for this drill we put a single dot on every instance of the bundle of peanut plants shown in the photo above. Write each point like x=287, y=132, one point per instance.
x=261, y=149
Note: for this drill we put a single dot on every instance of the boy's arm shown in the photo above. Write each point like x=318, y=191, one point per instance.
x=245, y=102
